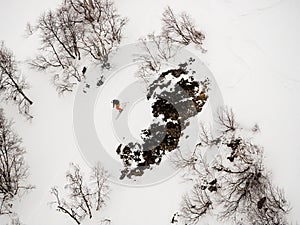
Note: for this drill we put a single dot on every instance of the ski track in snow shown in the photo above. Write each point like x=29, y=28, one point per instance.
x=257, y=10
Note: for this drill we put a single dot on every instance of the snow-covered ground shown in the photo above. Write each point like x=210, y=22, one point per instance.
x=253, y=53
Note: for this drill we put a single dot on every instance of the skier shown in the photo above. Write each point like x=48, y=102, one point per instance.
x=174, y=219
x=117, y=104
x=84, y=70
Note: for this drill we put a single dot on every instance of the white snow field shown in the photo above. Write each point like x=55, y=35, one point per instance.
x=253, y=53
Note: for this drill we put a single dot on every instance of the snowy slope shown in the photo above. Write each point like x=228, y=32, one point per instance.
x=253, y=52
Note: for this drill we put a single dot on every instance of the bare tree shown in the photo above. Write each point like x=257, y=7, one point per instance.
x=195, y=205
x=99, y=179
x=102, y=26
x=205, y=136
x=236, y=184
x=227, y=120
x=80, y=193
x=59, y=32
x=177, y=31
x=83, y=196
x=13, y=169
x=181, y=29
x=15, y=220
x=76, y=29
x=270, y=208
x=64, y=207
x=156, y=50
x=12, y=84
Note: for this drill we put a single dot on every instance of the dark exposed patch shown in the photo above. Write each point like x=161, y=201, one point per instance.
x=174, y=105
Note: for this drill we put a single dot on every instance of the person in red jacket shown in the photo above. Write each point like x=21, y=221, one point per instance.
x=116, y=103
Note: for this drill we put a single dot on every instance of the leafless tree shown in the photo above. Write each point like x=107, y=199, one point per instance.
x=227, y=120
x=13, y=169
x=76, y=29
x=12, y=84
x=177, y=31
x=83, y=196
x=14, y=220
x=181, y=29
x=236, y=183
x=270, y=208
x=80, y=192
x=156, y=50
x=205, y=136
x=99, y=179
x=64, y=207
x=195, y=205
x=184, y=162
x=59, y=32
x=102, y=26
